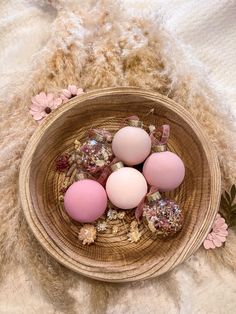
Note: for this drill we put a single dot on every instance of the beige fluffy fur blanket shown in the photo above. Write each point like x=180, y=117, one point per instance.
x=99, y=46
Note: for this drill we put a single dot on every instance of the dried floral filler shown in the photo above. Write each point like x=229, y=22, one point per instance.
x=105, y=187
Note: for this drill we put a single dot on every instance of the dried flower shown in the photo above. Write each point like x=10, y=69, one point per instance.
x=112, y=214
x=120, y=214
x=43, y=104
x=61, y=198
x=218, y=234
x=152, y=128
x=62, y=163
x=133, y=225
x=87, y=234
x=115, y=229
x=164, y=217
x=102, y=226
x=71, y=92
x=77, y=144
x=134, y=235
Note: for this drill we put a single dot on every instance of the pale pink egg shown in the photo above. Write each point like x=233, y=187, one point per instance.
x=131, y=145
x=85, y=201
x=126, y=188
x=164, y=170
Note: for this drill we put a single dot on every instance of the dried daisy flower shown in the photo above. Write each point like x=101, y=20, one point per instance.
x=121, y=215
x=134, y=235
x=112, y=214
x=133, y=225
x=87, y=234
x=115, y=229
x=152, y=128
x=43, y=104
x=102, y=226
x=71, y=92
x=77, y=144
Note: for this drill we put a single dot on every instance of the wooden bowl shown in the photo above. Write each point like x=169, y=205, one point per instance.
x=113, y=257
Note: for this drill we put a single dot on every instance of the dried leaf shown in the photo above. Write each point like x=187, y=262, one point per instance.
x=233, y=209
x=228, y=206
x=227, y=196
x=224, y=204
x=233, y=192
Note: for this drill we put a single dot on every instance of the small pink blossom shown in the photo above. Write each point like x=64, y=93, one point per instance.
x=43, y=104
x=218, y=234
x=70, y=92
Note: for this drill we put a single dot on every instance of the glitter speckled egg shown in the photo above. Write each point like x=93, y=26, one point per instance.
x=95, y=155
x=163, y=216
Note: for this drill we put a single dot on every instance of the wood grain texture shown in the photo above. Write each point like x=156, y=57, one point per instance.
x=113, y=257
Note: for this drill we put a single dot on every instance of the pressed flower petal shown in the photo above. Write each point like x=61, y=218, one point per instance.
x=208, y=244
x=37, y=103
x=72, y=89
x=217, y=242
x=223, y=233
x=210, y=237
x=34, y=112
x=220, y=238
x=219, y=222
x=222, y=227
x=50, y=97
x=37, y=107
x=57, y=102
x=66, y=93
x=37, y=115
x=41, y=98
x=34, y=101
x=79, y=91
x=64, y=98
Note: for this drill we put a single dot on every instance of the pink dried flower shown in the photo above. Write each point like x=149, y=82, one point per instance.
x=43, y=104
x=218, y=234
x=62, y=163
x=70, y=92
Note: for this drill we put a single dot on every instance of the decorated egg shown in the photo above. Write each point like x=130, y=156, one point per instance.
x=164, y=170
x=132, y=144
x=85, y=200
x=96, y=152
x=126, y=186
x=163, y=216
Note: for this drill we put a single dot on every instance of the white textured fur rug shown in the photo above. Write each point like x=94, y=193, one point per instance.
x=44, y=46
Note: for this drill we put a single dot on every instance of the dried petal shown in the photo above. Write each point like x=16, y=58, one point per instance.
x=87, y=234
x=120, y=214
x=101, y=225
x=112, y=214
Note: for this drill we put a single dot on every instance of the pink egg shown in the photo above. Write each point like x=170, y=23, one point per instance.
x=164, y=170
x=126, y=188
x=85, y=200
x=131, y=145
